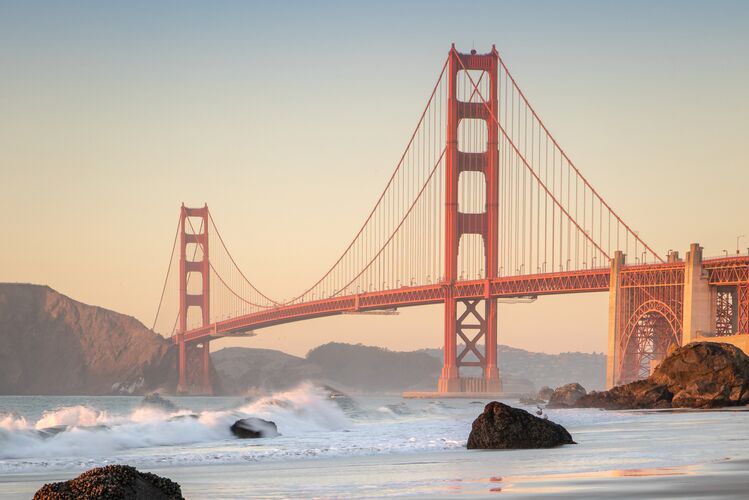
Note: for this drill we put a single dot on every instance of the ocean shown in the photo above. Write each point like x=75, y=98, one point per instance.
x=369, y=446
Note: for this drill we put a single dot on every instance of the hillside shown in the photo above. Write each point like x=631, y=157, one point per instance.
x=589, y=369
x=242, y=370
x=52, y=344
x=368, y=368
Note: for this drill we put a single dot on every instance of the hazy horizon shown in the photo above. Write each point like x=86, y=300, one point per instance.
x=113, y=115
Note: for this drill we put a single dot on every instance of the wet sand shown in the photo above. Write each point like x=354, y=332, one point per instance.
x=467, y=474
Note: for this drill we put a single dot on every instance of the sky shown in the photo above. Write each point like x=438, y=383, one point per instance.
x=288, y=117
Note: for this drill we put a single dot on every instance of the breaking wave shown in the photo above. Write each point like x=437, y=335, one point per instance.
x=84, y=431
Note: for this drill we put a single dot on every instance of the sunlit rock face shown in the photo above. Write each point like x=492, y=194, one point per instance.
x=697, y=375
x=566, y=396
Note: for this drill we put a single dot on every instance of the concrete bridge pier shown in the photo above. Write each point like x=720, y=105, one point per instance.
x=696, y=307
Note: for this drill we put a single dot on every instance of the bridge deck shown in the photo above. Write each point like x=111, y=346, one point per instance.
x=723, y=271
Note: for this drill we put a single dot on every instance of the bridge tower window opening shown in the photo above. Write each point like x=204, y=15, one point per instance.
x=726, y=310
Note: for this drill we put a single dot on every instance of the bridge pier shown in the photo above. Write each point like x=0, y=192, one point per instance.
x=697, y=298
x=617, y=262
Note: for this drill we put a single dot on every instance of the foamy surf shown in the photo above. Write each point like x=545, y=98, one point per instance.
x=85, y=431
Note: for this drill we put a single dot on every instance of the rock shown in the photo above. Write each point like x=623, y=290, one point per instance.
x=252, y=428
x=545, y=393
x=504, y=427
x=155, y=399
x=566, y=396
x=697, y=375
x=113, y=481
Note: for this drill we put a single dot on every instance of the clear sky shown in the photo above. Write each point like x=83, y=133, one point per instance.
x=287, y=118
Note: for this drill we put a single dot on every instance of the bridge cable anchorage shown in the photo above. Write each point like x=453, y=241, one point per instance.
x=166, y=279
x=543, y=184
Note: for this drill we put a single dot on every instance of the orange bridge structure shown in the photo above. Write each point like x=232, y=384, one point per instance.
x=483, y=204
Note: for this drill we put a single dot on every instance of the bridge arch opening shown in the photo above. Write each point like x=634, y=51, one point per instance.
x=651, y=330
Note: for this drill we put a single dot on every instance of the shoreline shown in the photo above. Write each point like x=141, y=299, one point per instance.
x=423, y=475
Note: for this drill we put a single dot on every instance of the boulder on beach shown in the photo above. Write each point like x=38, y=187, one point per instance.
x=566, y=396
x=113, y=481
x=503, y=427
x=545, y=393
x=697, y=375
x=252, y=428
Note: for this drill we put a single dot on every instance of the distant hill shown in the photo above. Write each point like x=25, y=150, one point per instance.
x=368, y=368
x=244, y=370
x=589, y=369
x=52, y=344
x=356, y=368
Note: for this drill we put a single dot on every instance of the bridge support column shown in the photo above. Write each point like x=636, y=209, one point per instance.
x=466, y=320
x=182, y=364
x=697, y=297
x=199, y=269
x=614, y=312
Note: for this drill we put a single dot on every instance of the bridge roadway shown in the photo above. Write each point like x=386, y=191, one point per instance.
x=594, y=280
x=722, y=271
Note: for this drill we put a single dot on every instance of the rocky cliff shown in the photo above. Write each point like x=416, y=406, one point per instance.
x=52, y=344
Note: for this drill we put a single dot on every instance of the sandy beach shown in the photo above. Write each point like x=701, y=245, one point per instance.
x=380, y=446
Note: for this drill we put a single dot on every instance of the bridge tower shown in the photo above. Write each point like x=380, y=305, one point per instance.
x=473, y=320
x=195, y=269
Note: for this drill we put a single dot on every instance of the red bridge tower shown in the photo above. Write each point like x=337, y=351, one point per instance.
x=467, y=319
x=191, y=354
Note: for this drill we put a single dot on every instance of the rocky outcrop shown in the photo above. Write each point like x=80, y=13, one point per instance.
x=697, y=375
x=113, y=481
x=566, y=396
x=52, y=344
x=504, y=427
x=545, y=393
x=253, y=428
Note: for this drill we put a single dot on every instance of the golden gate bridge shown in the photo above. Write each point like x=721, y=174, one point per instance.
x=482, y=204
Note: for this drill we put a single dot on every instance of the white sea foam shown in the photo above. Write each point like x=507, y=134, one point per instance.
x=309, y=422
x=90, y=432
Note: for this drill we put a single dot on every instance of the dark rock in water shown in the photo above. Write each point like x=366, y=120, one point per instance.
x=697, y=375
x=343, y=400
x=545, y=393
x=566, y=396
x=155, y=399
x=113, y=481
x=252, y=428
x=48, y=432
x=505, y=427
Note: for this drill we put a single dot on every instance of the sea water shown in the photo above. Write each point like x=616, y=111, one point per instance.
x=366, y=445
